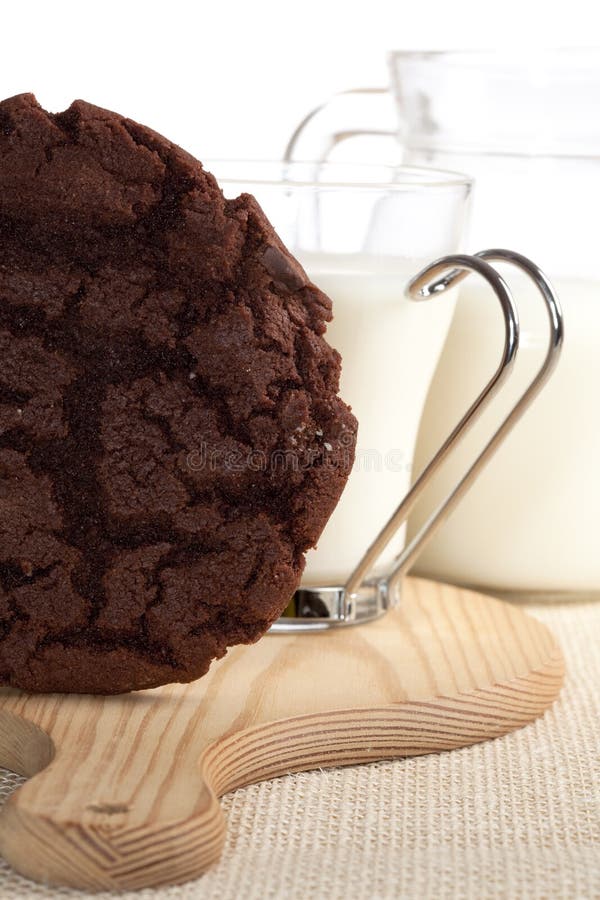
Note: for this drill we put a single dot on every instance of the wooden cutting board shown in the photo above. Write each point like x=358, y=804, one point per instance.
x=126, y=790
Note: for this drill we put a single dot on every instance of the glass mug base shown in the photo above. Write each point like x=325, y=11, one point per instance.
x=319, y=608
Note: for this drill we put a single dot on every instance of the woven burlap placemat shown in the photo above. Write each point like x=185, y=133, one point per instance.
x=518, y=817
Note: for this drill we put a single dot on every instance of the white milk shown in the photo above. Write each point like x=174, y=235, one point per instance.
x=531, y=520
x=390, y=347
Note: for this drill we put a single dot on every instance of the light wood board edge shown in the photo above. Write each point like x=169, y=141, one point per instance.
x=106, y=857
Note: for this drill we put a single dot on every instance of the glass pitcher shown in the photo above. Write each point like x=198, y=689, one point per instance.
x=525, y=126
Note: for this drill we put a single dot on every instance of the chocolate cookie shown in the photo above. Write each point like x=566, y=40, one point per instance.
x=171, y=439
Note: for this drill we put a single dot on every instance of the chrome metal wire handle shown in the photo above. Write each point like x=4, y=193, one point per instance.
x=363, y=598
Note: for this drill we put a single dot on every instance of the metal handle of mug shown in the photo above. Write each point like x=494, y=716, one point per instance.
x=363, y=598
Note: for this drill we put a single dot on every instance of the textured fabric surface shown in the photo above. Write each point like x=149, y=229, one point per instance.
x=518, y=817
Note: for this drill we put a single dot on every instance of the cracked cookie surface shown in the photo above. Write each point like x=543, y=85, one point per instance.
x=171, y=439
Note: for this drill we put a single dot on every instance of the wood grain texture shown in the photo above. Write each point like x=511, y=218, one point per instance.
x=125, y=789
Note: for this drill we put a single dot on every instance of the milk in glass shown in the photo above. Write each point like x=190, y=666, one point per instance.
x=390, y=346
x=516, y=528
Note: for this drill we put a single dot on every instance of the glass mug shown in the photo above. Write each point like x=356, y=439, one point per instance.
x=363, y=233
x=525, y=126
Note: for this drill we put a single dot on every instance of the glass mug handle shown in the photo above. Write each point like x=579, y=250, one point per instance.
x=363, y=598
x=327, y=125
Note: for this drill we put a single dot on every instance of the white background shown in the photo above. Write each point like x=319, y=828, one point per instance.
x=232, y=78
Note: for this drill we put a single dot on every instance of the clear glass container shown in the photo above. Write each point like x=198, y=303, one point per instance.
x=525, y=126
x=362, y=233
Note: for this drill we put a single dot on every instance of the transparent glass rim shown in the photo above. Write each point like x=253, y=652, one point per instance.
x=552, y=57
x=367, y=176
x=533, y=156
